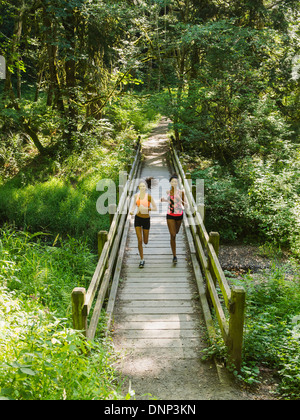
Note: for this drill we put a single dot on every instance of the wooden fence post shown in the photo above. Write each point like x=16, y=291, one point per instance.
x=214, y=239
x=79, y=318
x=236, y=325
x=138, y=141
x=102, y=238
x=112, y=209
x=123, y=177
x=201, y=211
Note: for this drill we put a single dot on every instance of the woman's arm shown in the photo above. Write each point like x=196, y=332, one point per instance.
x=165, y=200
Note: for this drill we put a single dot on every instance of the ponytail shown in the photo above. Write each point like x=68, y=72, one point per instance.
x=149, y=181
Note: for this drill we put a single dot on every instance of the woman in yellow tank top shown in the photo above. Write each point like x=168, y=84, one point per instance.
x=144, y=203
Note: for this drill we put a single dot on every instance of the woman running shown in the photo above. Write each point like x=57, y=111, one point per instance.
x=143, y=201
x=176, y=202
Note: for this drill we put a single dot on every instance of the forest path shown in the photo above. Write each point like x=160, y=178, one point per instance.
x=159, y=328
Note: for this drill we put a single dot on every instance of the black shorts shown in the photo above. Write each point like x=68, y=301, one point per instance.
x=179, y=217
x=143, y=222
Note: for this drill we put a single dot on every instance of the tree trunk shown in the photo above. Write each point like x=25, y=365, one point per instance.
x=33, y=135
x=70, y=69
x=18, y=25
x=54, y=87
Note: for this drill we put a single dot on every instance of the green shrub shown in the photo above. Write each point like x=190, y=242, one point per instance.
x=129, y=111
x=42, y=359
x=226, y=205
x=271, y=332
x=275, y=203
x=42, y=272
x=271, y=329
x=254, y=199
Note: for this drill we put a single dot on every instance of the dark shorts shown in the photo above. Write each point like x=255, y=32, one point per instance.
x=179, y=217
x=143, y=222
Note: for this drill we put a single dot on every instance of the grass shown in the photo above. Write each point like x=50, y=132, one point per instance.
x=42, y=272
x=57, y=193
x=271, y=329
x=63, y=202
x=41, y=356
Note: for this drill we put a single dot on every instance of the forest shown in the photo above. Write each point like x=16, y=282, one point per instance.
x=80, y=80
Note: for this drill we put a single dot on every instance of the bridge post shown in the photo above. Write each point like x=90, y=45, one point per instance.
x=138, y=141
x=236, y=325
x=78, y=315
x=112, y=209
x=214, y=239
x=201, y=211
x=102, y=238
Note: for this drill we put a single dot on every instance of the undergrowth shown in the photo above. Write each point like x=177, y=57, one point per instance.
x=56, y=193
x=41, y=356
x=271, y=329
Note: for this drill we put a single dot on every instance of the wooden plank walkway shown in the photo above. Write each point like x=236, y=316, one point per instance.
x=158, y=325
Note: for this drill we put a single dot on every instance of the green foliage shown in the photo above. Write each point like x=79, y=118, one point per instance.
x=41, y=357
x=133, y=111
x=58, y=193
x=226, y=205
x=42, y=272
x=61, y=196
x=271, y=330
x=228, y=106
x=53, y=206
x=274, y=202
x=254, y=198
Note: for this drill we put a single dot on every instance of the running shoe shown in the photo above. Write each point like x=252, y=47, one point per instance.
x=174, y=260
x=142, y=263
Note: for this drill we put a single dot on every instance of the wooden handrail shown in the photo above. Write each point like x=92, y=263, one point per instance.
x=82, y=300
x=207, y=266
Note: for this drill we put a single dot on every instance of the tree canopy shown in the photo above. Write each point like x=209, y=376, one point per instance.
x=218, y=61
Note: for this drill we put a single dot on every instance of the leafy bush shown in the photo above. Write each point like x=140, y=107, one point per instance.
x=226, y=204
x=132, y=111
x=271, y=333
x=274, y=200
x=271, y=329
x=58, y=193
x=254, y=198
x=42, y=359
x=44, y=273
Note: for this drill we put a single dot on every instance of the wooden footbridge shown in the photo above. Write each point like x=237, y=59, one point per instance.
x=161, y=315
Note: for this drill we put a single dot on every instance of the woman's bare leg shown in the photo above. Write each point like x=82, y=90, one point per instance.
x=172, y=229
x=178, y=224
x=146, y=235
x=139, y=235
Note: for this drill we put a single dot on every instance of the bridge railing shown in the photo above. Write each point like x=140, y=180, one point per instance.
x=215, y=288
x=108, y=268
